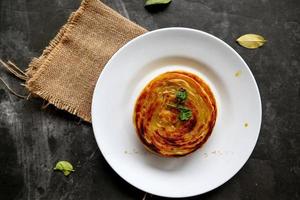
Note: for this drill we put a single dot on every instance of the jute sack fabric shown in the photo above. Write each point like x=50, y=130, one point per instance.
x=66, y=73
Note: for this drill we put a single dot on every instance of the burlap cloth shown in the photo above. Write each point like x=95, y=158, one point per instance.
x=66, y=73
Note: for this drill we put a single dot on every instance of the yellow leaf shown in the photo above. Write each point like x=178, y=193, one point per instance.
x=251, y=41
x=65, y=167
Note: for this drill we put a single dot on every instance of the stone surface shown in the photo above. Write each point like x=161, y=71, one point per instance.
x=34, y=139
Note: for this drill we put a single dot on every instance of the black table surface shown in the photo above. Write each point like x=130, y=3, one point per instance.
x=33, y=139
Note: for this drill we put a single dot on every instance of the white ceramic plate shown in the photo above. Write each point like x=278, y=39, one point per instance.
x=234, y=135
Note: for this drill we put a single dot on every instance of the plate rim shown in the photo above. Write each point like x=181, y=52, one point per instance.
x=177, y=29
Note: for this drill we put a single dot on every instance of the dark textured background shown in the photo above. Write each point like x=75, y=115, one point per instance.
x=32, y=140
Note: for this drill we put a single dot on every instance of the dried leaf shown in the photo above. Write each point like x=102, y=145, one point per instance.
x=251, y=41
x=65, y=167
x=155, y=2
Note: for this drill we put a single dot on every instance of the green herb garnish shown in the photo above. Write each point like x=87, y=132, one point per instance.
x=65, y=167
x=185, y=114
x=181, y=95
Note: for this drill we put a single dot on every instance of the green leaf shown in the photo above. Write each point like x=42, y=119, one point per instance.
x=181, y=95
x=65, y=167
x=251, y=41
x=185, y=114
x=155, y=2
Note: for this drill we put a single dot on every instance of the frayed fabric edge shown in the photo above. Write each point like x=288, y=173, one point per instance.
x=34, y=71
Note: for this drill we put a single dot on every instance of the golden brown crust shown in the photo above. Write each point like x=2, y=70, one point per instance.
x=157, y=124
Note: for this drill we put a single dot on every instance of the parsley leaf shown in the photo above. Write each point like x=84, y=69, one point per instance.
x=181, y=95
x=185, y=114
